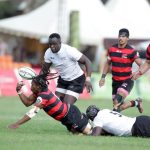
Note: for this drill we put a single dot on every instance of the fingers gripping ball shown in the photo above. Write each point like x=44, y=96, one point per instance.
x=26, y=73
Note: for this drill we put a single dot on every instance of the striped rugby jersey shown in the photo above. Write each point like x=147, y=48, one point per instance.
x=53, y=106
x=122, y=60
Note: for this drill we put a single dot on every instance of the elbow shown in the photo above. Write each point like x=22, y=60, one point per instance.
x=27, y=104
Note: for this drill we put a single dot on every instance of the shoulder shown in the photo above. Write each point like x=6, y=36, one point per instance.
x=129, y=47
x=68, y=47
x=48, y=51
x=104, y=111
x=115, y=46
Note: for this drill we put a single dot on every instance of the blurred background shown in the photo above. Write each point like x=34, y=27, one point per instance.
x=89, y=25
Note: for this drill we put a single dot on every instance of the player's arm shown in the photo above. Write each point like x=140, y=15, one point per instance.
x=26, y=100
x=97, y=131
x=45, y=67
x=105, y=71
x=88, y=65
x=145, y=67
x=138, y=61
x=30, y=114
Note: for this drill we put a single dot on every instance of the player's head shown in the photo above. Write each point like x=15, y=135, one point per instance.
x=92, y=111
x=39, y=83
x=123, y=37
x=124, y=32
x=55, y=42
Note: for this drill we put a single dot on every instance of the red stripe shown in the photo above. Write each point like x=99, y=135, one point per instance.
x=121, y=60
x=126, y=51
x=52, y=100
x=120, y=69
x=64, y=112
x=55, y=108
x=148, y=52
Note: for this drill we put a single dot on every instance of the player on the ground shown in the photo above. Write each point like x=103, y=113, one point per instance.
x=114, y=123
x=42, y=98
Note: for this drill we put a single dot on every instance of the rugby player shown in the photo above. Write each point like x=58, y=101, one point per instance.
x=145, y=67
x=120, y=59
x=66, y=60
x=107, y=122
x=42, y=98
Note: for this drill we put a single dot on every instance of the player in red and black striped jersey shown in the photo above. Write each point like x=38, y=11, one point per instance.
x=42, y=98
x=120, y=58
x=145, y=67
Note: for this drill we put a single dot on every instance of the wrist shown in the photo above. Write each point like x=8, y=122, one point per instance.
x=103, y=76
x=88, y=78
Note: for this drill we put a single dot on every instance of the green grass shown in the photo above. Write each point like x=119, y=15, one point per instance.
x=42, y=132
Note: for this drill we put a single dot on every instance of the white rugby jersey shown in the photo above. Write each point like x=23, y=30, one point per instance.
x=114, y=122
x=65, y=61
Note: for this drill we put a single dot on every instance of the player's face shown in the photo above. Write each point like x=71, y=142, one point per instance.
x=34, y=87
x=54, y=44
x=122, y=40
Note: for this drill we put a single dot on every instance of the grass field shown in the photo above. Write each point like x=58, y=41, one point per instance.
x=43, y=133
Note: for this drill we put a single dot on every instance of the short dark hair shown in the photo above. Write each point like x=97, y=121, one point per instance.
x=41, y=80
x=55, y=35
x=124, y=32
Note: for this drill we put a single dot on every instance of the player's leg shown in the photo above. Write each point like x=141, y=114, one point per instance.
x=117, y=98
x=141, y=127
x=61, y=89
x=76, y=122
x=74, y=89
x=133, y=103
x=123, y=92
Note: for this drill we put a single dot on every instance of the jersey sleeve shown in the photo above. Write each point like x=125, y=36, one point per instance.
x=74, y=53
x=47, y=56
x=97, y=122
x=148, y=53
x=40, y=100
x=134, y=55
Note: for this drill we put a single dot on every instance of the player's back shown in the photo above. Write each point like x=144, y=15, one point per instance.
x=114, y=122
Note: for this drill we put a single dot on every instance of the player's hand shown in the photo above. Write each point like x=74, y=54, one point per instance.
x=136, y=75
x=88, y=85
x=19, y=86
x=13, y=126
x=102, y=82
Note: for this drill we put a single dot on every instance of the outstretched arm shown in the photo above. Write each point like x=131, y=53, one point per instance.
x=25, y=118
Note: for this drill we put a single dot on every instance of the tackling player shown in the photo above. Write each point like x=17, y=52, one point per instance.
x=66, y=60
x=106, y=121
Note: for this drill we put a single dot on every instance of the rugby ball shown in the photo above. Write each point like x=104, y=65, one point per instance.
x=26, y=73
